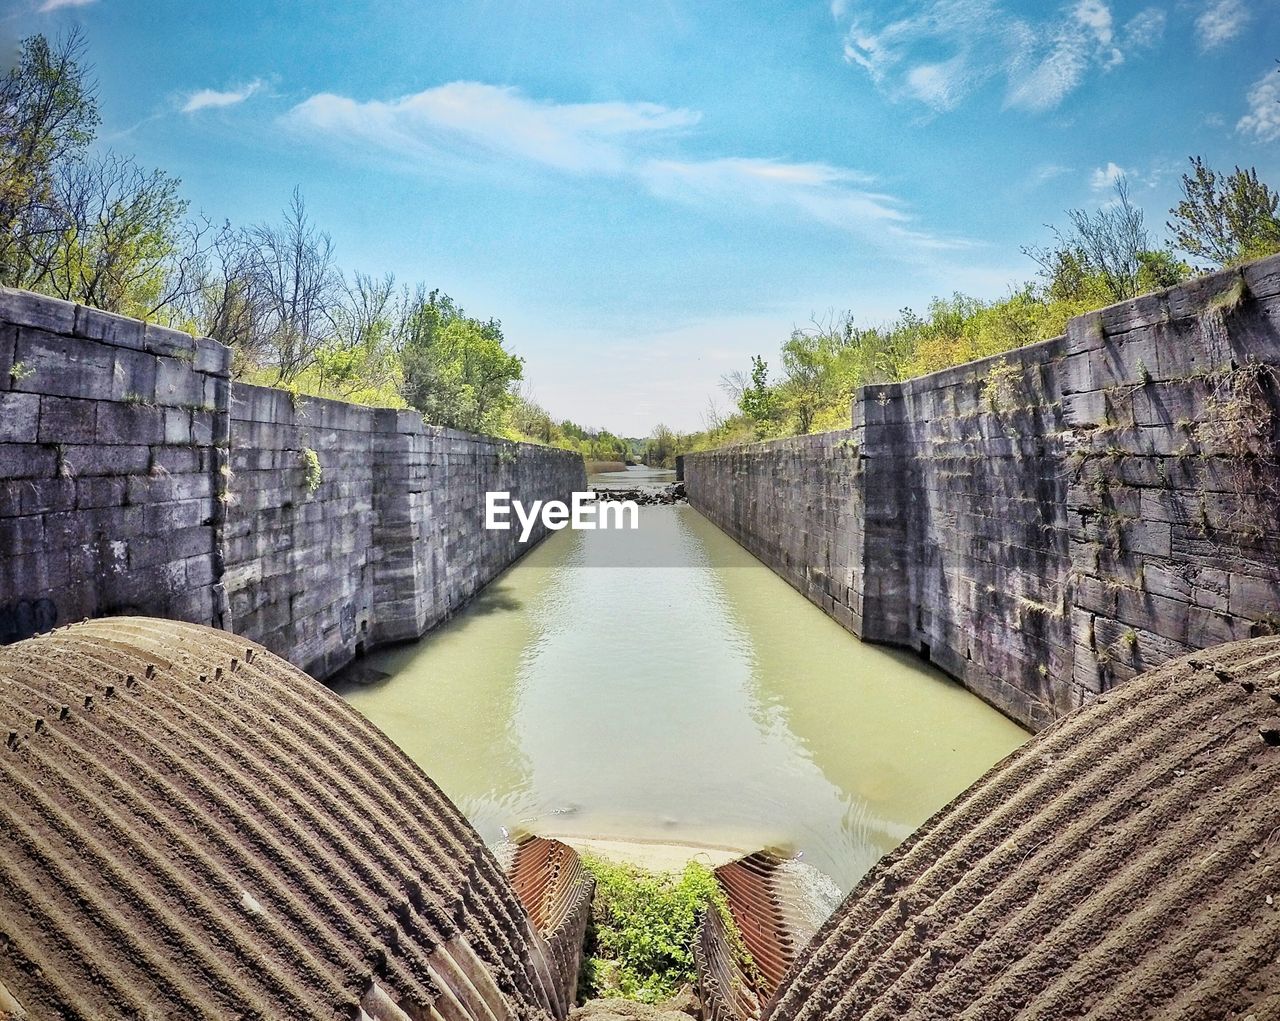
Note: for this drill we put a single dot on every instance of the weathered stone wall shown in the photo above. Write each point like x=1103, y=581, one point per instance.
x=109, y=452
x=1047, y=523
x=377, y=539
x=135, y=479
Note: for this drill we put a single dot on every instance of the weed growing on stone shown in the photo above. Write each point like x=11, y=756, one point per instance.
x=1000, y=388
x=19, y=371
x=314, y=470
x=1239, y=426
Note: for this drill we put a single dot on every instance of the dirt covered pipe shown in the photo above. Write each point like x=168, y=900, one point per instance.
x=191, y=827
x=1124, y=864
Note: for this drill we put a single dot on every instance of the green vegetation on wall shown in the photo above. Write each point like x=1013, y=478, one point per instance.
x=1102, y=257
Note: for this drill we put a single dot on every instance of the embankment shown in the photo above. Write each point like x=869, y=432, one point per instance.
x=136, y=478
x=1047, y=523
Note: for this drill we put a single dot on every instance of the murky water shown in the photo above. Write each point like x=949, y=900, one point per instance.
x=662, y=685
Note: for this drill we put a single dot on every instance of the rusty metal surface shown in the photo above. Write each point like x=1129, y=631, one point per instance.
x=763, y=904
x=556, y=891
x=192, y=828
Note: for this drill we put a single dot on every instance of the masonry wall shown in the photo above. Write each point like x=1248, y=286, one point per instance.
x=108, y=460
x=1045, y=524
x=349, y=526
x=134, y=478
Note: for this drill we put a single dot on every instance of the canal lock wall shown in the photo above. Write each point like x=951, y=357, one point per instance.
x=1044, y=524
x=136, y=477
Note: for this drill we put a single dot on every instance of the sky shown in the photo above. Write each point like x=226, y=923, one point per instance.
x=649, y=192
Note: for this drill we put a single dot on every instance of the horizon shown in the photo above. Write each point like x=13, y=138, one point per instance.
x=668, y=197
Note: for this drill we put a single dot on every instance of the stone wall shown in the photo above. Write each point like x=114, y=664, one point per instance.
x=134, y=478
x=350, y=526
x=109, y=434
x=1047, y=523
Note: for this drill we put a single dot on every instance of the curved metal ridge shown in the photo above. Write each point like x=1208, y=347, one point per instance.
x=192, y=828
x=762, y=910
x=1124, y=864
x=556, y=891
x=724, y=989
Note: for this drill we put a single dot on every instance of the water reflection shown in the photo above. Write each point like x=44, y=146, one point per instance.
x=591, y=693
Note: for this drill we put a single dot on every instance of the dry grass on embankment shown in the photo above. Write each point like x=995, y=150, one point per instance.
x=596, y=467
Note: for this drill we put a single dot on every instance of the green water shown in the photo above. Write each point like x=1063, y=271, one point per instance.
x=662, y=685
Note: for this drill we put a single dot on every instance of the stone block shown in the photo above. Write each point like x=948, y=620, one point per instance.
x=212, y=358
x=8, y=341
x=133, y=376
x=67, y=420
x=62, y=365
x=129, y=424
x=24, y=308
x=116, y=330
x=94, y=460
x=40, y=496
x=26, y=460
x=19, y=417
x=1254, y=598
x=177, y=386
x=168, y=343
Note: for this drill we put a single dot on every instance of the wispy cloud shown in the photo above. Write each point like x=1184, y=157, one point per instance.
x=1220, y=22
x=206, y=99
x=938, y=52
x=472, y=124
x=53, y=5
x=577, y=137
x=1263, y=119
x=1105, y=178
x=1047, y=172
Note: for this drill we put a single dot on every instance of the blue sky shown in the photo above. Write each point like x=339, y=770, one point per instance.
x=648, y=193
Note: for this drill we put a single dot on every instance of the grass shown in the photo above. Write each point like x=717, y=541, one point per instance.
x=640, y=942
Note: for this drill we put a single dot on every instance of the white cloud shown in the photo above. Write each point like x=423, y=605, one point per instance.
x=579, y=137
x=1144, y=30
x=1220, y=22
x=1047, y=172
x=215, y=99
x=819, y=191
x=937, y=52
x=1263, y=119
x=465, y=125
x=53, y=5
x=1105, y=178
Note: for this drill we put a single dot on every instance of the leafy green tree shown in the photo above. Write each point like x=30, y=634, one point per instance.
x=48, y=116
x=121, y=231
x=758, y=400
x=456, y=370
x=662, y=448
x=1225, y=218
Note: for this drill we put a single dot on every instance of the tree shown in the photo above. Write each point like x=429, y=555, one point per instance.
x=758, y=400
x=48, y=116
x=299, y=287
x=1109, y=243
x=456, y=370
x=662, y=448
x=1225, y=218
x=121, y=229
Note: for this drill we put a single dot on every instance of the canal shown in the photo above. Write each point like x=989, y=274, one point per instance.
x=660, y=688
